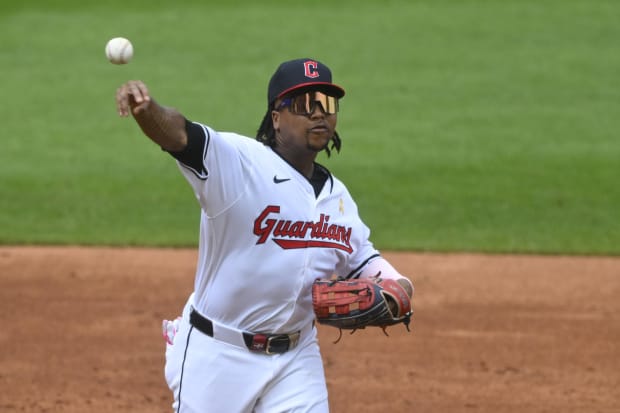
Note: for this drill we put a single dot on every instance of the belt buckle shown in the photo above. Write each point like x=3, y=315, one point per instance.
x=270, y=339
x=292, y=339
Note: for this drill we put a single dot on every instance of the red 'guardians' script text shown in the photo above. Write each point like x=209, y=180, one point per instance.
x=301, y=234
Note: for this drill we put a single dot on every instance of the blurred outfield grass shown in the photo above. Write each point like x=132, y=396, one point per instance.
x=485, y=126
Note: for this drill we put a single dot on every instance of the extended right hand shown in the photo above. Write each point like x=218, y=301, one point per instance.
x=132, y=96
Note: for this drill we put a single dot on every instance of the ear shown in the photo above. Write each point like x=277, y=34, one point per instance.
x=275, y=118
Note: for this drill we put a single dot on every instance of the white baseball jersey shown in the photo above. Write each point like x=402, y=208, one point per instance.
x=265, y=235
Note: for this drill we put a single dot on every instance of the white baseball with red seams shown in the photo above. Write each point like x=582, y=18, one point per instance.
x=119, y=50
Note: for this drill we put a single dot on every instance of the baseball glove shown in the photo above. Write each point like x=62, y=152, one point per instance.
x=360, y=303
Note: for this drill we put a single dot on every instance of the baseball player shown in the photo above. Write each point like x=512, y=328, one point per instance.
x=273, y=221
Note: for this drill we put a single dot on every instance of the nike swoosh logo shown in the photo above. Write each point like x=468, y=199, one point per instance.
x=277, y=180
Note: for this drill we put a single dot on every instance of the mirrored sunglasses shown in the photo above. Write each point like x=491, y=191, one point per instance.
x=305, y=103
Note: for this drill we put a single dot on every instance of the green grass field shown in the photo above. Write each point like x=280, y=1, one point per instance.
x=484, y=125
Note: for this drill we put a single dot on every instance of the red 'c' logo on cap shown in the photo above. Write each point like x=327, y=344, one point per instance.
x=311, y=68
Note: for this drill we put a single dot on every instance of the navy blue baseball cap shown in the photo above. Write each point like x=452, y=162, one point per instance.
x=301, y=74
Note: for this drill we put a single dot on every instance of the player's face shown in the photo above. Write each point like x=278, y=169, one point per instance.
x=305, y=122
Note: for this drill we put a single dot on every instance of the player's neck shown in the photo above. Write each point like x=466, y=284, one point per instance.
x=303, y=162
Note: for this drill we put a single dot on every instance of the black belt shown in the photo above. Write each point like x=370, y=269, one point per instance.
x=260, y=343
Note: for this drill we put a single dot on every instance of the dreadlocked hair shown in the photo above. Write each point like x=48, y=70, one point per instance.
x=267, y=134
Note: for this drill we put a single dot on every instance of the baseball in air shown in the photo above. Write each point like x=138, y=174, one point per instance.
x=119, y=50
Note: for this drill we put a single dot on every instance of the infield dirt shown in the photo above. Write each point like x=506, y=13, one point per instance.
x=81, y=332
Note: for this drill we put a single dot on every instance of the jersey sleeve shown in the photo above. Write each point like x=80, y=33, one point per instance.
x=193, y=154
x=362, y=249
x=213, y=165
x=363, y=253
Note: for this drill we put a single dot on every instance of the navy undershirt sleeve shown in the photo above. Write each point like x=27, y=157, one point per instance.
x=193, y=153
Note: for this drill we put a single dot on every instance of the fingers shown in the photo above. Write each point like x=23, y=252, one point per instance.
x=132, y=96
